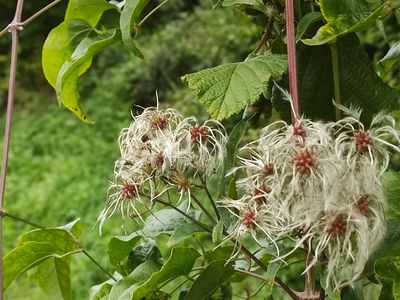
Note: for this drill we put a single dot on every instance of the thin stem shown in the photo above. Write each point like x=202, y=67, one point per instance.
x=31, y=18
x=97, y=264
x=212, y=201
x=336, y=79
x=151, y=13
x=37, y=14
x=292, y=65
x=209, y=216
x=266, y=35
x=14, y=29
x=279, y=282
x=184, y=214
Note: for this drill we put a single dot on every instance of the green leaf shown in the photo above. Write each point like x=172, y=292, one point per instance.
x=391, y=184
x=119, y=248
x=37, y=246
x=130, y=13
x=353, y=293
x=389, y=60
x=123, y=289
x=388, y=273
x=59, y=45
x=183, y=232
x=305, y=23
x=146, y=250
x=81, y=58
x=165, y=221
x=255, y=4
x=25, y=257
x=179, y=263
x=214, y=276
x=88, y=10
x=218, y=233
x=229, y=88
x=343, y=17
x=102, y=291
x=273, y=268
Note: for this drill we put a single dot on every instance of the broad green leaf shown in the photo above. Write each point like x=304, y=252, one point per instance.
x=165, y=221
x=119, y=248
x=179, y=263
x=305, y=23
x=214, y=276
x=66, y=85
x=391, y=183
x=25, y=257
x=359, y=83
x=37, y=246
x=123, y=289
x=255, y=4
x=130, y=13
x=227, y=89
x=390, y=59
x=218, y=233
x=88, y=10
x=183, y=232
x=388, y=273
x=343, y=17
x=389, y=247
x=59, y=45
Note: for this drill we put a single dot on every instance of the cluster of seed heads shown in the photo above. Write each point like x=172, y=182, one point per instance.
x=319, y=185
x=161, y=150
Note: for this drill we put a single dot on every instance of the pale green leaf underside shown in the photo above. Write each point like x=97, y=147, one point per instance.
x=343, y=17
x=229, y=88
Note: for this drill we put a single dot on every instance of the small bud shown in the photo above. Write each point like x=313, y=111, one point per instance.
x=362, y=204
x=304, y=162
x=363, y=140
x=338, y=226
x=198, y=133
x=267, y=169
x=129, y=190
x=159, y=121
x=249, y=219
x=298, y=130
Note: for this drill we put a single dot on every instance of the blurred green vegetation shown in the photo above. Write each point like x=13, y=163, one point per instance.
x=59, y=167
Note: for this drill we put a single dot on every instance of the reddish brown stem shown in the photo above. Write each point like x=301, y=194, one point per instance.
x=14, y=28
x=292, y=66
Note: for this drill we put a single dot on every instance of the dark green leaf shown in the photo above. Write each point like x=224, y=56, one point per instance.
x=343, y=17
x=130, y=13
x=146, y=250
x=221, y=253
x=81, y=58
x=214, y=276
x=390, y=245
x=359, y=84
x=179, y=263
x=88, y=10
x=305, y=23
x=273, y=268
x=353, y=293
x=388, y=273
x=183, y=232
x=391, y=183
x=229, y=88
